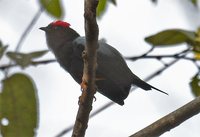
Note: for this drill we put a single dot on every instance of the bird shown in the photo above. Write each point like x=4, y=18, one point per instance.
x=116, y=79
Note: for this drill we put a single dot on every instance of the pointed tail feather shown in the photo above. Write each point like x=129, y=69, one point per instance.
x=140, y=83
x=158, y=90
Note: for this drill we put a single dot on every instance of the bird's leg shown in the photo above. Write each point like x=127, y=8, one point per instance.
x=97, y=79
x=81, y=98
x=84, y=85
x=95, y=99
x=84, y=88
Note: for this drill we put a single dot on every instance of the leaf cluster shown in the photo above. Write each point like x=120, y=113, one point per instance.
x=18, y=96
x=175, y=37
x=55, y=9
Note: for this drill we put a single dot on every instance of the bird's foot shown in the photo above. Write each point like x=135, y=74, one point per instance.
x=84, y=85
x=81, y=98
x=83, y=89
x=95, y=99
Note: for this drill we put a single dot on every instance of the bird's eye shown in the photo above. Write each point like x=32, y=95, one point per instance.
x=56, y=27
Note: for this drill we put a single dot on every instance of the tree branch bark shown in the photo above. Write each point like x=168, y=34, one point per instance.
x=89, y=71
x=171, y=120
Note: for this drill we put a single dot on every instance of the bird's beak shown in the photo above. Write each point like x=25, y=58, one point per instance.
x=43, y=28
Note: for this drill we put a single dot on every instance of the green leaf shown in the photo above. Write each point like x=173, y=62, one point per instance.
x=25, y=59
x=196, y=55
x=196, y=47
x=171, y=37
x=19, y=58
x=53, y=7
x=2, y=49
x=37, y=54
x=18, y=103
x=195, y=85
x=196, y=44
x=101, y=8
x=194, y=2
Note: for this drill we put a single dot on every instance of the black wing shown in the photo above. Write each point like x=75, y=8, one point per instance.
x=114, y=78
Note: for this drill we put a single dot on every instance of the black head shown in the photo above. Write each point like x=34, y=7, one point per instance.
x=58, y=32
x=57, y=28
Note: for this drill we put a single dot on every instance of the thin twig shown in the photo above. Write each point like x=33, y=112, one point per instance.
x=34, y=63
x=159, y=57
x=149, y=51
x=28, y=29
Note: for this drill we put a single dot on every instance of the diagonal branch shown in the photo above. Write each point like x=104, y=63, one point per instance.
x=171, y=120
x=89, y=71
x=28, y=29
